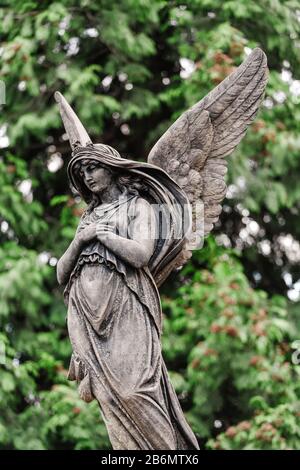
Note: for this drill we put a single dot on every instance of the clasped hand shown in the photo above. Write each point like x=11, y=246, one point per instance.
x=98, y=230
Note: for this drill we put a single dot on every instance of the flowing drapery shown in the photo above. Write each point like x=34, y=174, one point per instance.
x=114, y=323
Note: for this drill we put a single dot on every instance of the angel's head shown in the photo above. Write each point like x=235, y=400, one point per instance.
x=95, y=176
x=99, y=178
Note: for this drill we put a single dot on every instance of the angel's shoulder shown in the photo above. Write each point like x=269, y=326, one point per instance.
x=142, y=207
x=84, y=220
x=143, y=204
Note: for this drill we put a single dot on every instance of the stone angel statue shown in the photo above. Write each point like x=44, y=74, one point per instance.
x=135, y=230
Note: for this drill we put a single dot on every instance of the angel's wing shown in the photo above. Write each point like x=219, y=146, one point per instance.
x=192, y=150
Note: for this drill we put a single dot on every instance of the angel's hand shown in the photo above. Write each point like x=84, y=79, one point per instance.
x=87, y=234
x=68, y=261
x=105, y=231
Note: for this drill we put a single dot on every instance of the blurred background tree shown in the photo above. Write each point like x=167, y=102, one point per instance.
x=129, y=68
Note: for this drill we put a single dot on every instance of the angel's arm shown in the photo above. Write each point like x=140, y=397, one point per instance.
x=69, y=259
x=138, y=249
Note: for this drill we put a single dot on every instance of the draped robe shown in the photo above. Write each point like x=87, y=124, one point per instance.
x=114, y=324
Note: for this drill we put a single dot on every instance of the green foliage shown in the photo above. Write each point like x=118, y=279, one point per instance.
x=273, y=428
x=234, y=344
x=63, y=421
x=130, y=68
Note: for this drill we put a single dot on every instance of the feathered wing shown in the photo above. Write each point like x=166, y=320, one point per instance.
x=194, y=148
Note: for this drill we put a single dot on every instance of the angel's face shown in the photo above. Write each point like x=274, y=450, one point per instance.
x=96, y=178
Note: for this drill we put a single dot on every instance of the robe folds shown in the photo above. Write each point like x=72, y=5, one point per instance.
x=114, y=324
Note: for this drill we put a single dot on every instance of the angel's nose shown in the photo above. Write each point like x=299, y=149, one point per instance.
x=87, y=176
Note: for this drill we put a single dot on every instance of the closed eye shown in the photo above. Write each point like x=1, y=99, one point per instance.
x=89, y=168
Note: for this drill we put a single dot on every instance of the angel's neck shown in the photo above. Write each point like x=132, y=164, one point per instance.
x=110, y=194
